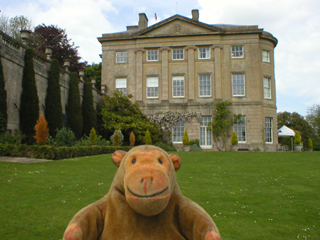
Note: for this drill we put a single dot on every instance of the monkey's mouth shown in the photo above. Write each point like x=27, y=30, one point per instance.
x=147, y=196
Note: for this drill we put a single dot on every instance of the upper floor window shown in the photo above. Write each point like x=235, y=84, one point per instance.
x=178, y=131
x=152, y=55
x=121, y=85
x=267, y=88
x=265, y=56
x=238, y=85
x=204, y=53
x=239, y=127
x=152, y=87
x=268, y=129
x=178, y=54
x=205, y=85
x=237, y=52
x=178, y=86
x=121, y=57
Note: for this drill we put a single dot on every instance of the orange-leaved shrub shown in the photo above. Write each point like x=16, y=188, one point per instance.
x=42, y=130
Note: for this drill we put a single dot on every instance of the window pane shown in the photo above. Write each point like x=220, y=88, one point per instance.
x=267, y=88
x=240, y=129
x=152, y=55
x=178, y=131
x=152, y=87
x=237, y=52
x=265, y=56
x=121, y=85
x=178, y=86
x=204, y=53
x=238, y=85
x=268, y=126
x=205, y=85
x=177, y=54
x=205, y=135
x=121, y=57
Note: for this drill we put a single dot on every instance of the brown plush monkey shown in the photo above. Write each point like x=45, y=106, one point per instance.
x=144, y=203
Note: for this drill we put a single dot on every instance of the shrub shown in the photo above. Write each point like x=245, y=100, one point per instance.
x=65, y=137
x=196, y=142
x=42, y=130
x=117, y=138
x=234, y=139
x=195, y=148
x=310, y=143
x=297, y=138
x=93, y=137
x=185, y=139
x=147, y=138
x=132, y=139
x=166, y=146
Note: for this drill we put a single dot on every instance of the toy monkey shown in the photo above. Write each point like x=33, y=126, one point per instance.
x=144, y=203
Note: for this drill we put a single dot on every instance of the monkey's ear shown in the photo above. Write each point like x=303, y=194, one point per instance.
x=117, y=157
x=176, y=161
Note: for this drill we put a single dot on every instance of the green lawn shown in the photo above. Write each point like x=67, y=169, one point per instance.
x=249, y=195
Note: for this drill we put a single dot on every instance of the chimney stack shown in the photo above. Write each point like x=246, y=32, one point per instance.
x=143, y=21
x=195, y=14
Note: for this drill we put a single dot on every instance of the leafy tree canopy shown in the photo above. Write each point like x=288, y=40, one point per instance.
x=118, y=112
x=296, y=122
x=313, y=118
x=13, y=26
x=94, y=72
x=62, y=47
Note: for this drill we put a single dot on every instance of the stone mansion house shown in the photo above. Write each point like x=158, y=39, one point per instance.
x=184, y=65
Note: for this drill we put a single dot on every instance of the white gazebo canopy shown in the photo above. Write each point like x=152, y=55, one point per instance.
x=284, y=131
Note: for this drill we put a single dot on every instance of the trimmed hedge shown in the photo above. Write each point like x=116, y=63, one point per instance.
x=56, y=153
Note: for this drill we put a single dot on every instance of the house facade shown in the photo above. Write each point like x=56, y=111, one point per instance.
x=183, y=65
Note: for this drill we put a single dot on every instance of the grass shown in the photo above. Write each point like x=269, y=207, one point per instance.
x=249, y=195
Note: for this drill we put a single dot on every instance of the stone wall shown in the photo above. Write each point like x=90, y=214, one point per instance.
x=12, y=57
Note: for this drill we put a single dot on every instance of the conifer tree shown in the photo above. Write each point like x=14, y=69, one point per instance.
x=29, y=101
x=74, y=112
x=3, y=102
x=88, y=112
x=53, y=107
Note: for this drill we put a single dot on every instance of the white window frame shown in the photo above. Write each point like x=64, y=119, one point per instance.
x=238, y=83
x=121, y=57
x=177, y=54
x=152, y=55
x=178, y=87
x=237, y=51
x=152, y=87
x=240, y=129
x=204, y=53
x=205, y=85
x=268, y=130
x=205, y=135
x=178, y=132
x=265, y=56
x=121, y=85
x=267, y=88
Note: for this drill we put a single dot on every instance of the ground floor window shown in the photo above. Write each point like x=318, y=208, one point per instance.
x=178, y=132
x=240, y=129
x=205, y=135
x=268, y=123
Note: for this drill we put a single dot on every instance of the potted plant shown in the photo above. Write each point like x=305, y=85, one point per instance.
x=310, y=145
x=186, y=141
x=234, y=142
x=297, y=142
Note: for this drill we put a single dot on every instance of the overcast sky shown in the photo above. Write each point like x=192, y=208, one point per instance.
x=295, y=23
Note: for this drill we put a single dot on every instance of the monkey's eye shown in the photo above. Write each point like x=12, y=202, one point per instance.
x=160, y=161
x=134, y=161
